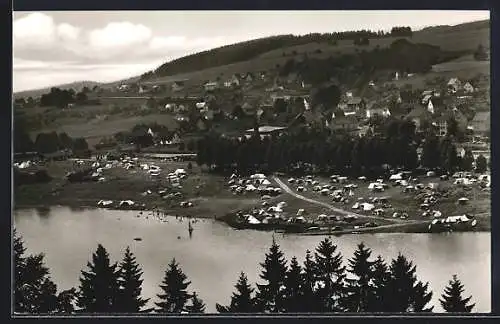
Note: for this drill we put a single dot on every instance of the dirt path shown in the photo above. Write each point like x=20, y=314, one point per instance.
x=398, y=222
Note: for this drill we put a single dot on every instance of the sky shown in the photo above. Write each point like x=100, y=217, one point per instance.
x=56, y=47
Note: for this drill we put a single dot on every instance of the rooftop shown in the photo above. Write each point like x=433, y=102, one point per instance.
x=354, y=101
x=266, y=129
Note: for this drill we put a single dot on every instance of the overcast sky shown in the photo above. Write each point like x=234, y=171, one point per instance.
x=52, y=48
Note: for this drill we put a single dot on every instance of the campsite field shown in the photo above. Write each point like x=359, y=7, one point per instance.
x=211, y=198
x=207, y=192
x=479, y=201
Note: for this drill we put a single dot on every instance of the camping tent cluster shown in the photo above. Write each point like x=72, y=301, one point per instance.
x=272, y=215
x=255, y=183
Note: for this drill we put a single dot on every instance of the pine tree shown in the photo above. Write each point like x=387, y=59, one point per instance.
x=293, y=287
x=381, y=276
x=310, y=298
x=34, y=291
x=197, y=306
x=270, y=296
x=421, y=298
x=467, y=160
x=99, y=287
x=404, y=293
x=360, y=288
x=130, y=282
x=174, y=285
x=330, y=274
x=241, y=300
x=481, y=164
x=452, y=300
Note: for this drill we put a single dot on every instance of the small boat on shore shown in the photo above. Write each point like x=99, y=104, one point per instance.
x=137, y=239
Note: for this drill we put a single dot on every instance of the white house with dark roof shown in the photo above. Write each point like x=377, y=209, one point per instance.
x=468, y=88
x=454, y=85
x=178, y=86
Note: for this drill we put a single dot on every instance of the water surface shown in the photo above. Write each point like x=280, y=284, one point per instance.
x=216, y=253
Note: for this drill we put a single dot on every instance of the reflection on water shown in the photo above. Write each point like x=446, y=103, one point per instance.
x=215, y=254
x=43, y=212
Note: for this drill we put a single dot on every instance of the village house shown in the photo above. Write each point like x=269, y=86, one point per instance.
x=441, y=124
x=468, y=88
x=355, y=104
x=267, y=130
x=124, y=87
x=365, y=131
x=170, y=107
x=377, y=109
x=211, y=86
x=234, y=81
x=454, y=85
x=178, y=86
x=430, y=107
x=248, y=77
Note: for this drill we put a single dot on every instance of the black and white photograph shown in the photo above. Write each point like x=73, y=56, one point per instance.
x=251, y=162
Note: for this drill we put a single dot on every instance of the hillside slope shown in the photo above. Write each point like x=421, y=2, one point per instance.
x=272, y=52
x=463, y=37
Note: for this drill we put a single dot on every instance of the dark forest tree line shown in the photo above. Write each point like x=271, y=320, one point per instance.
x=250, y=49
x=293, y=151
x=323, y=283
x=61, y=98
x=401, y=55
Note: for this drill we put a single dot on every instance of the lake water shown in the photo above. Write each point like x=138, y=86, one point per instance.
x=216, y=254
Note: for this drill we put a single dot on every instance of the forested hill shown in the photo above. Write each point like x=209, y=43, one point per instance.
x=463, y=37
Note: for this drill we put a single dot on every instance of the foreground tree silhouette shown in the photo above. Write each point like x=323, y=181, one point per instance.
x=174, y=285
x=242, y=300
x=99, y=288
x=381, y=276
x=270, y=296
x=294, y=282
x=310, y=299
x=404, y=293
x=452, y=300
x=34, y=291
x=330, y=275
x=197, y=306
x=360, y=288
x=130, y=282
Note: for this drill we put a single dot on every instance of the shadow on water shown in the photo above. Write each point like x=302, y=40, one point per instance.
x=78, y=209
x=43, y=212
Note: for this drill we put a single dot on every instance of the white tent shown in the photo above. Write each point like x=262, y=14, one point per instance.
x=265, y=182
x=282, y=204
x=367, y=206
x=398, y=176
x=104, y=202
x=436, y=213
x=253, y=220
x=257, y=176
x=250, y=188
x=180, y=171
